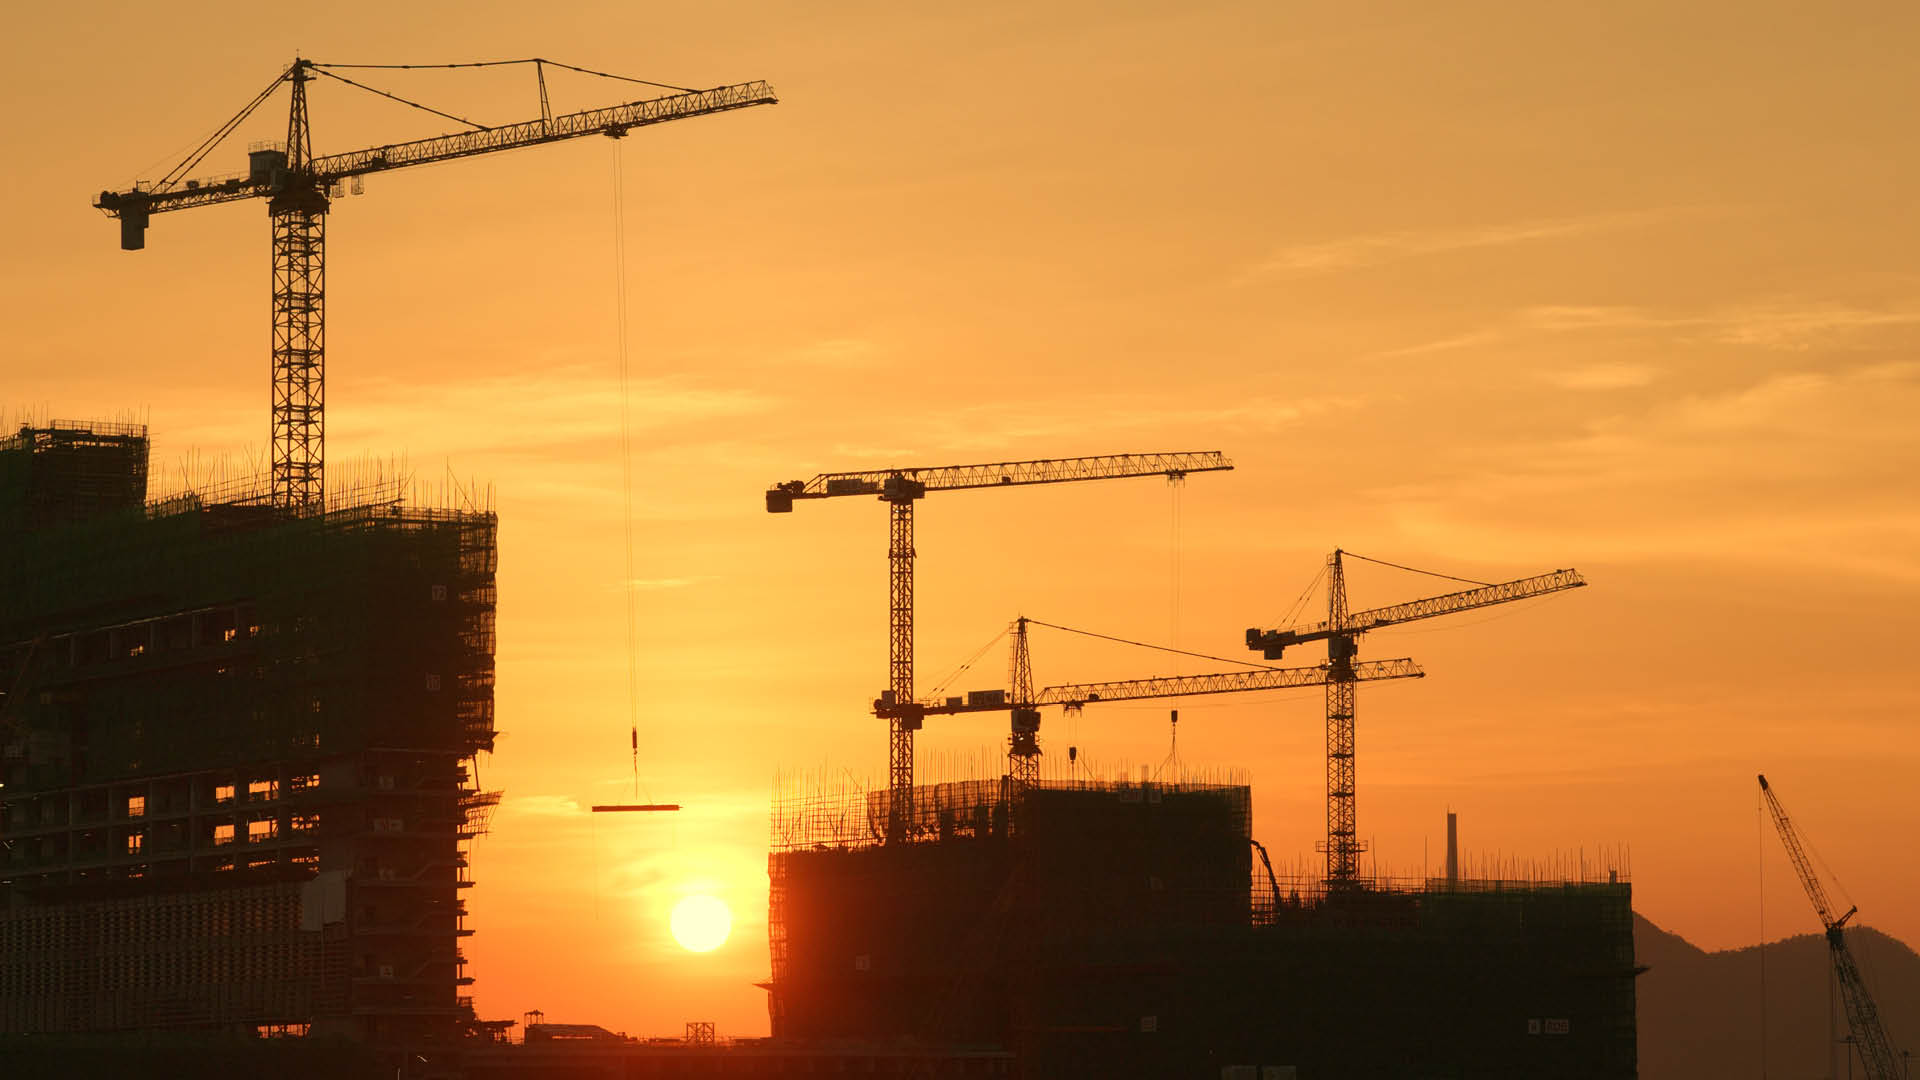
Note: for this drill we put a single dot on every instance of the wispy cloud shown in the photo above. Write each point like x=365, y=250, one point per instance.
x=1446, y=344
x=1572, y=317
x=1801, y=467
x=534, y=413
x=1784, y=326
x=537, y=409
x=1371, y=249
x=839, y=352
x=1766, y=405
x=1608, y=376
x=1028, y=422
x=1802, y=327
x=1897, y=371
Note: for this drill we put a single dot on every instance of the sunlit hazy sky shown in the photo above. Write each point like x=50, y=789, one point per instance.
x=1489, y=288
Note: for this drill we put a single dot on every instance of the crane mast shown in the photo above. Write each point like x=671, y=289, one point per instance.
x=297, y=187
x=1870, y=1038
x=298, y=212
x=1341, y=631
x=900, y=489
x=900, y=661
x=1023, y=745
x=1342, y=846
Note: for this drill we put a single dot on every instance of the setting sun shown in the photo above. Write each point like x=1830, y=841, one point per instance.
x=701, y=923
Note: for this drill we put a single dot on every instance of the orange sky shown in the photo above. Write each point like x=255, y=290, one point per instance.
x=1489, y=288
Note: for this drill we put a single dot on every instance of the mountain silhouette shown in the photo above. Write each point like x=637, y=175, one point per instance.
x=1700, y=1012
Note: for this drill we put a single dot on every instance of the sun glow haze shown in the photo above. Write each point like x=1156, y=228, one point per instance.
x=1529, y=313
x=701, y=923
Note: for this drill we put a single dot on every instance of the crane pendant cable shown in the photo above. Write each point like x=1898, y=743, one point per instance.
x=628, y=589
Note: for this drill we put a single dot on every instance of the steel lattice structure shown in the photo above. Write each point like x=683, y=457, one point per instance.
x=1446, y=604
x=298, y=211
x=1023, y=742
x=297, y=186
x=1341, y=632
x=1342, y=845
x=1223, y=682
x=900, y=660
x=900, y=489
x=1023, y=759
x=996, y=474
x=1870, y=1039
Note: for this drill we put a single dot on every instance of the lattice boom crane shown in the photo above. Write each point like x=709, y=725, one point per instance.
x=1341, y=631
x=1870, y=1038
x=298, y=187
x=1024, y=703
x=900, y=489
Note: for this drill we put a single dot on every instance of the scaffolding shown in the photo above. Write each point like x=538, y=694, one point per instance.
x=1132, y=928
x=221, y=716
x=66, y=472
x=875, y=940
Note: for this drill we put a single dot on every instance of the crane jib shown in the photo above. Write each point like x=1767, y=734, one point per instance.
x=324, y=171
x=614, y=120
x=1003, y=474
x=1273, y=641
x=1168, y=686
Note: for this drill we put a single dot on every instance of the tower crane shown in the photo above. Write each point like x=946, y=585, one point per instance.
x=1341, y=631
x=900, y=489
x=1024, y=703
x=1870, y=1039
x=298, y=187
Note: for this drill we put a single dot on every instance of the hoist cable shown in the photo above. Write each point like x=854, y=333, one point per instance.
x=629, y=586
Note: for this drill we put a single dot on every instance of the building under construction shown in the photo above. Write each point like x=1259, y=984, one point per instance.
x=238, y=742
x=1126, y=929
x=238, y=748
